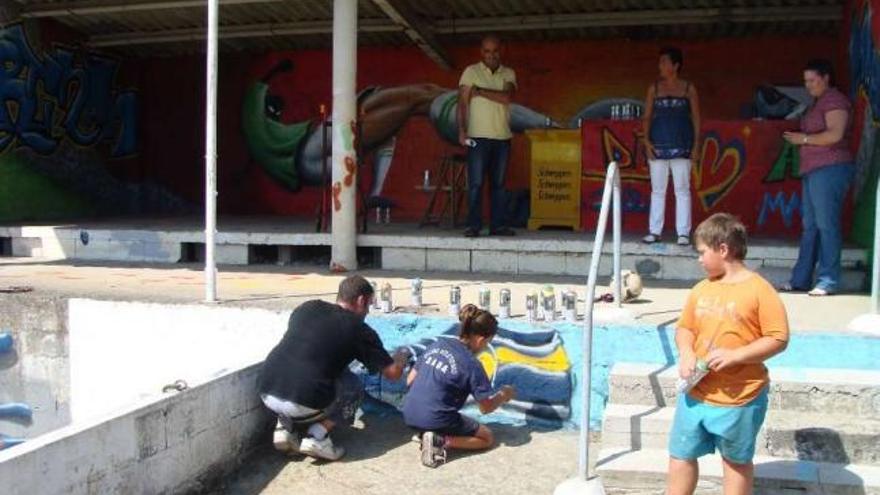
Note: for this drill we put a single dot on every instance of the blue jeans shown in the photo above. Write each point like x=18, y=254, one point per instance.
x=489, y=155
x=824, y=190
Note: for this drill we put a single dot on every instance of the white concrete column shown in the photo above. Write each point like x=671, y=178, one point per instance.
x=343, y=255
x=211, y=153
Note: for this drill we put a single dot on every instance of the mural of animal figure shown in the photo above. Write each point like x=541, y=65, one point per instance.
x=534, y=363
x=292, y=154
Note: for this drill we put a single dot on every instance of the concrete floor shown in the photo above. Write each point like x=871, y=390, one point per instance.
x=280, y=287
x=381, y=459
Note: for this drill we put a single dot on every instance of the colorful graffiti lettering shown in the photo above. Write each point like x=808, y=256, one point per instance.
x=785, y=206
x=718, y=170
x=714, y=175
x=864, y=58
x=787, y=165
x=61, y=94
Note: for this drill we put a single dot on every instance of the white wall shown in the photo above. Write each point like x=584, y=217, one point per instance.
x=174, y=445
x=121, y=352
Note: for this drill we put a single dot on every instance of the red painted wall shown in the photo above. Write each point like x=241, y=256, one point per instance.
x=555, y=78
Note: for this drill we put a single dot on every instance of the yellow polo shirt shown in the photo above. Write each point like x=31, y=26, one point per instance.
x=487, y=118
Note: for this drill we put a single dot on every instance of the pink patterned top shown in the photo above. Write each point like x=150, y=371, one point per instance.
x=813, y=157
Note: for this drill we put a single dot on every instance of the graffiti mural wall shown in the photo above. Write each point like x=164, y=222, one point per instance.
x=864, y=75
x=64, y=123
x=746, y=168
x=270, y=108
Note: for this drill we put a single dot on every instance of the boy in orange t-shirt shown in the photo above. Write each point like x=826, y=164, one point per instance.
x=734, y=321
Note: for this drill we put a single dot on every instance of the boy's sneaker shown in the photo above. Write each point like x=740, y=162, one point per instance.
x=322, y=449
x=650, y=239
x=433, y=451
x=285, y=441
x=684, y=240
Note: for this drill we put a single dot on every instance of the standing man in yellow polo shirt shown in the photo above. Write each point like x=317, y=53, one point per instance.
x=485, y=91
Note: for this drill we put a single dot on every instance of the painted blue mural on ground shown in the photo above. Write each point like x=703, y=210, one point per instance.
x=546, y=398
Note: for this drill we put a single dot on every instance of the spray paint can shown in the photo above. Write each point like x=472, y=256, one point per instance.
x=569, y=305
x=385, y=298
x=415, y=291
x=700, y=370
x=532, y=306
x=548, y=303
x=454, y=301
x=504, y=303
x=375, y=295
x=485, y=301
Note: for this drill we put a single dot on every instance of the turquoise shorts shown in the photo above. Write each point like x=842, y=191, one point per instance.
x=700, y=428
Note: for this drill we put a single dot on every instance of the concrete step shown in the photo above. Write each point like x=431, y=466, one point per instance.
x=786, y=434
x=406, y=247
x=825, y=391
x=644, y=471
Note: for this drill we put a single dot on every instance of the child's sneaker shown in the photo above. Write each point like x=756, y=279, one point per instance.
x=285, y=441
x=322, y=449
x=433, y=451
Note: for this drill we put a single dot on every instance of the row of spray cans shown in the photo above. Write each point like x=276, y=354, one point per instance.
x=383, y=297
x=539, y=305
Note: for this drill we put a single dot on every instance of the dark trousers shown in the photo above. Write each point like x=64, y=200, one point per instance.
x=488, y=157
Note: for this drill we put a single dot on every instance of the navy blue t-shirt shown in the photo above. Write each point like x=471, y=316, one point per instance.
x=447, y=373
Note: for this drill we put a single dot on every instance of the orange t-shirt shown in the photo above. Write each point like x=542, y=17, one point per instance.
x=732, y=315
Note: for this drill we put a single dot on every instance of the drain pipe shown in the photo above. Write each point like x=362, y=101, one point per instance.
x=343, y=200
x=211, y=155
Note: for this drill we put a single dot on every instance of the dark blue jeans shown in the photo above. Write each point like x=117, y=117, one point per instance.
x=824, y=190
x=488, y=156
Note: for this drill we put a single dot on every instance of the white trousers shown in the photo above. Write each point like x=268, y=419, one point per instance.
x=681, y=175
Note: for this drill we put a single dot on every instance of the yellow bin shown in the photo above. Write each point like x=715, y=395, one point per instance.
x=555, y=159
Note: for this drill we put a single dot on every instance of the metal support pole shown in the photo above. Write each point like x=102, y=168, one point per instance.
x=343, y=253
x=211, y=154
x=875, y=267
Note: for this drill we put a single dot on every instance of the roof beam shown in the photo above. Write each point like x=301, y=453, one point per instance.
x=233, y=32
x=87, y=7
x=641, y=18
x=415, y=29
x=510, y=23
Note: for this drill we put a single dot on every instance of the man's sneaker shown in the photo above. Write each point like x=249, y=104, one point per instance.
x=433, y=451
x=684, y=240
x=285, y=441
x=322, y=449
x=650, y=239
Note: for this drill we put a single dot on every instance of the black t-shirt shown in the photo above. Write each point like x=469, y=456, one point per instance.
x=322, y=339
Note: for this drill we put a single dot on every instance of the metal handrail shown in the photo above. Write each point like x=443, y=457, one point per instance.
x=612, y=189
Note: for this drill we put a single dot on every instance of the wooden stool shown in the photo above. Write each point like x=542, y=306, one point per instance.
x=448, y=192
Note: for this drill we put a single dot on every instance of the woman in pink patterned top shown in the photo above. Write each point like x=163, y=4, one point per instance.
x=826, y=167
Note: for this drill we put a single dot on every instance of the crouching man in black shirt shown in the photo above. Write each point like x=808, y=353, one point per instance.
x=306, y=380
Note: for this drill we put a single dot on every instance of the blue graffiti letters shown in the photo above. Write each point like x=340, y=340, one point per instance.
x=61, y=94
x=786, y=206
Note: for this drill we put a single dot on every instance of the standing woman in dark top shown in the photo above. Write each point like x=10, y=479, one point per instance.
x=826, y=167
x=672, y=122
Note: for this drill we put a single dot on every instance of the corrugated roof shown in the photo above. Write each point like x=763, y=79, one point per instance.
x=171, y=27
